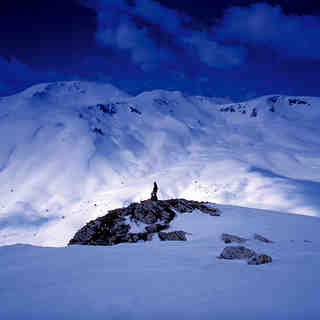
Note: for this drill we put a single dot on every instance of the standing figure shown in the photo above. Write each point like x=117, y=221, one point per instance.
x=154, y=192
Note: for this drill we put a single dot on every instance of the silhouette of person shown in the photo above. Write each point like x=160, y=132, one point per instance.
x=154, y=192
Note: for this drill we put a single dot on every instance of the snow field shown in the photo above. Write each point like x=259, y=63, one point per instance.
x=171, y=279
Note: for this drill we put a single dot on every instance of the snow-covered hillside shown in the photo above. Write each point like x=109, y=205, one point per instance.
x=70, y=151
x=171, y=280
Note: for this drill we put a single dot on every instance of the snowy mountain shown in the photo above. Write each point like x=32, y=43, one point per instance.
x=174, y=279
x=71, y=151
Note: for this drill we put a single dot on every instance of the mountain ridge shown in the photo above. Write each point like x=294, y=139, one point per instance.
x=70, y=145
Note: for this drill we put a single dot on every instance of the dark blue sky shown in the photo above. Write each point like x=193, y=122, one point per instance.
x=239, y=48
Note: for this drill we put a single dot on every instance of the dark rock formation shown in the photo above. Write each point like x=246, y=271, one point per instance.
x=99, y=131
x=183, y=206
x=132, y=109
x=157, y=227
x=254, y=113
x=236, y=252
x=240, y=252
x=173, y=236
x=260, y=259
x=135, y=237
x=261, y=238
x=108, y=108
x=228, y=238
x=296, y=101
x=274, y=99
x=114, y=227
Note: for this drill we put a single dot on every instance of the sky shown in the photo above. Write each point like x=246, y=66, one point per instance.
x=234, y=48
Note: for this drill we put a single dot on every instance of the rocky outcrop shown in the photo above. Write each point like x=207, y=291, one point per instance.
x=173, y=236
x=261, y=238
x=157, y=227
x=183, y=206
x=115, y=227
x=241, y=252
x=259, y=259
x=228, y=238
x=236, y=252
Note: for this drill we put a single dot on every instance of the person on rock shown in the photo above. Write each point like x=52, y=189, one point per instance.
x=154, y=192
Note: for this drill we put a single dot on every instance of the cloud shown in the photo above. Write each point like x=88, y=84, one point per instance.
x=142, y=45
x=153, y=35
x=290, y=36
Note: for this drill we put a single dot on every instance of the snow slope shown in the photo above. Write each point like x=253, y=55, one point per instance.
x=170, y=280
x=70, y=151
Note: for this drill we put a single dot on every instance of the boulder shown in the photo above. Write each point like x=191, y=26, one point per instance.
x=261, y=238
x=173, y=236
x=236, y=252
x=259, y=259
x=228, y=238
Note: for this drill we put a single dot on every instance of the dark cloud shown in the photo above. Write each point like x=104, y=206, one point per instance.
x=153, y=35
x=236, y=48
x=290, y=36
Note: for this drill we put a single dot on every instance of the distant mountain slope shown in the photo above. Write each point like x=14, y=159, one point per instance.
x=71, y=150
x=169, y=280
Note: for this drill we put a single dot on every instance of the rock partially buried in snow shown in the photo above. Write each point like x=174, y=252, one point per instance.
x=261, y=238
x=173, y=236
x=157, y=227
x=236, y=252
x=148, y=216
x=241, y=252
x=260, y=259
x=228, y=238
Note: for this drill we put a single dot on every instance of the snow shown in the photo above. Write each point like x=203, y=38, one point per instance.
x=171, y=280
x=64, y=161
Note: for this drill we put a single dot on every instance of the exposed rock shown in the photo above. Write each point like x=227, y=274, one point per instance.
x=135, y=237
x=183, y=205
x=254, y=113
x=108, y=230
x=157, y=227
x=173, y=236
x=99, y=131
x=240, y=252
x=274, y=99
x=260, y=259
x=114, y=227
x=228, y=238
x=261, y=238
x=132, y=109
x=296, y=101
x=236, y=252
x=108, y=108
